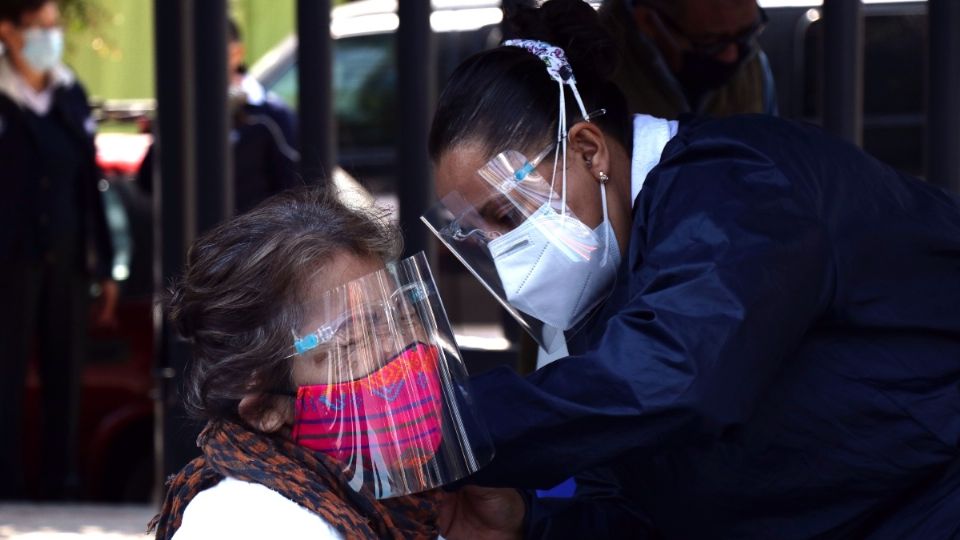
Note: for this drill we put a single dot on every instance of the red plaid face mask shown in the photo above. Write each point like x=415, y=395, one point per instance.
x=389, y=417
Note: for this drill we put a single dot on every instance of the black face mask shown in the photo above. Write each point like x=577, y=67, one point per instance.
x=700, y=73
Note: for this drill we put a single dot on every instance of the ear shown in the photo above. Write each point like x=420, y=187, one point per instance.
x=589, y=147
x=268, y=414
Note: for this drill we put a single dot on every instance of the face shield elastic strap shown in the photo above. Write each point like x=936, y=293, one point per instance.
x=559, y=70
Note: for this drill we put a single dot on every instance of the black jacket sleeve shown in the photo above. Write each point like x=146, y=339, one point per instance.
x=98, y=240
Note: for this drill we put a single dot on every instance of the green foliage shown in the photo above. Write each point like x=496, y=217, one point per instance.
x=82, y=14
x=264, y=23
x=110, y=46
x=87, y=17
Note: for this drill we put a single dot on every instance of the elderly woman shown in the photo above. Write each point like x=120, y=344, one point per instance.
x=327, y=378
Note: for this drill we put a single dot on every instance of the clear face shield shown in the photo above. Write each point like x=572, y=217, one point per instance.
x=515, y=233
x=390, y=402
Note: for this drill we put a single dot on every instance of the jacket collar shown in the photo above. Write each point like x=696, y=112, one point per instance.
x=650, y=136
x=10, y=86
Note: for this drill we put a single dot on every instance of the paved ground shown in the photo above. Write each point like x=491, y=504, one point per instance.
x=24, y=521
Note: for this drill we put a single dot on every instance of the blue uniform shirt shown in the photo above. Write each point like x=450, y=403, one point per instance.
x=780, y=357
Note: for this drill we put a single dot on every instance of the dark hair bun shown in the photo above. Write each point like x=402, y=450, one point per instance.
x=572, y=25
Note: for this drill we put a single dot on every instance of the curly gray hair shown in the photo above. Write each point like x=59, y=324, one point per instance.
x=238, y=297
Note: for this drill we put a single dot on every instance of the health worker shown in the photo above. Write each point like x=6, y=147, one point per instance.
x=762, y=321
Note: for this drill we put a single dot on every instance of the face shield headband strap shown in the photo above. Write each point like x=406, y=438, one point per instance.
x=559, y=70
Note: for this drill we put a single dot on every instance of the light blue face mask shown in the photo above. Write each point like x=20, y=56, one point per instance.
x=43, y=48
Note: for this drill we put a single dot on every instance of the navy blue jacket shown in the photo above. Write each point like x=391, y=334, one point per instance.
x=27, y=201
x=780, y=357
x=265, y=156
x=264, y=150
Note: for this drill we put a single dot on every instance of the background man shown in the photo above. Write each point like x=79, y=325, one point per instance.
x=698, y=56
x=263, y=135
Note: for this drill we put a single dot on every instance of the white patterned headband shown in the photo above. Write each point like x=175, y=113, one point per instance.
x=557, y=65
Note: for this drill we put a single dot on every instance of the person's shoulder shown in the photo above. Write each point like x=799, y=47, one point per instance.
x=745, y=120
x=71, y=91
x=269, y=107
x=759, y=129
x=277, y=109
x=66, y=80
x=6, y=102
x=77, y=91
x=726, y=153
x=238, y=509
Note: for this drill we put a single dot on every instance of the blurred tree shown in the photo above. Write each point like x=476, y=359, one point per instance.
x=110, y=42
x=110, y=46
x=263, y=23
x=82, y=15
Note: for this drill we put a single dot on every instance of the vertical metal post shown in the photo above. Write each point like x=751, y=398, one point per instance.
x=843, y=69
x=174, y=224
x=315, y=64
x=416, y=69
x=174, y=197
x=943, y=107
x=215, y=200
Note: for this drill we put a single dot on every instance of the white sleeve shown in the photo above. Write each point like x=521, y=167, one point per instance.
x=243, y=510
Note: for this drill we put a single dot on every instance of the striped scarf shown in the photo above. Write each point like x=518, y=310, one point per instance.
x=312, y=480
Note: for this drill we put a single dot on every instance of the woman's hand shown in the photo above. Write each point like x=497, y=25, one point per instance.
x=482, y=513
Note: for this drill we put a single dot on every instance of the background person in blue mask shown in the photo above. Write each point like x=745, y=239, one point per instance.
x=53, y=240
x=777, y=353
